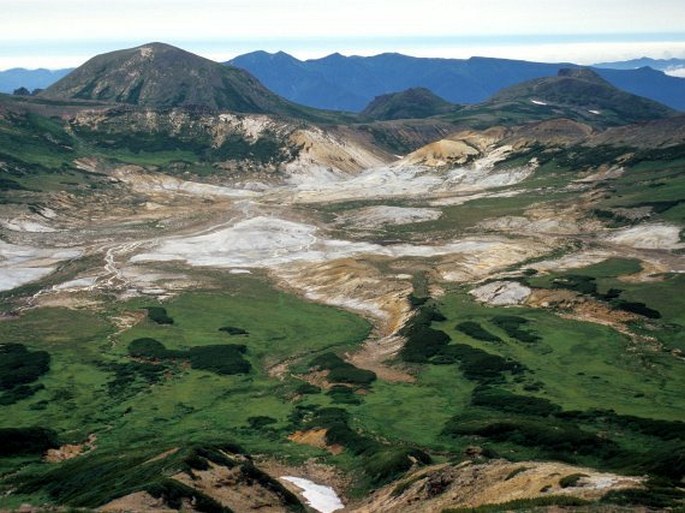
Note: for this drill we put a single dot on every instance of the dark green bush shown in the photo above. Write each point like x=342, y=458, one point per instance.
x=20, y=366
x=560, y=440
x=132, y=375
x=475, y=330
x=423, y=343
x=149, y=348
x=18, y=393
x=29, y=440
x=307, y=389
x=172, y=493
x=571, y=480
x=341, y=394
x=341, y=371
x=511, y=324
x=252, y=474
x=637, y=308
x=260, y=422
x=650, y=497
x=502, y=400
x=479, y=365
x=523, y=504
x=232, y=330
x=159, y=315
x=220, y=359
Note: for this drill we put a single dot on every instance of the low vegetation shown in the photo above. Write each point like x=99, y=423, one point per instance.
x=19, y=368
x=340, y=371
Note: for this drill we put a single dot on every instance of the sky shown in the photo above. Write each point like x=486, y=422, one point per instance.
x=65, y=33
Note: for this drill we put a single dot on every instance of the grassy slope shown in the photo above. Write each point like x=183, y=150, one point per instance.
x=186, y=405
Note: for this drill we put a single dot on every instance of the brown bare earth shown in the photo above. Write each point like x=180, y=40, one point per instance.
x=138, y=502
x=315, y=438
x=468, y=484
x=69, y=451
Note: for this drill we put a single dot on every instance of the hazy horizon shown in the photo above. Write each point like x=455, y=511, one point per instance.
x=58, y=34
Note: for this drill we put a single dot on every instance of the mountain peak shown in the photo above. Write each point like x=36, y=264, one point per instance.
x=161, y=75
x=582, y=74
x=413, y=103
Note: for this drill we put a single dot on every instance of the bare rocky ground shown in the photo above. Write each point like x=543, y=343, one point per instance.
x=148, y=232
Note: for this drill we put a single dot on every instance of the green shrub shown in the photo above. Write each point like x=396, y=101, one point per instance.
x=260, y=422
x=423, y=343
x=307, y=389
x=341, y=394
x=172, y=493
x=251, y=473
x=637, y=308
x=571, y=480
x=149, y=348
x=29, y=440
x=650, y=497
x=231, y=330
x=522, y=504
x=219, y=359
x=561, y=440
x=159, y=315
x=341, y=371
x=20, y=366
x=475, y=330
x=502, y=400
x=132, y=375
x=511, y=324
x=479, y=365
x=515, y=472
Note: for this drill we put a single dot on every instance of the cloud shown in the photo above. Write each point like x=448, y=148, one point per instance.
x=73, y=20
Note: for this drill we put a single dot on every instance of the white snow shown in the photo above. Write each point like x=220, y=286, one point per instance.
x=25, y=225
x=271, y=242
x=373, y=217
x=649, y=236
x=405, y=179
x=319, y=497
x=502, y=293
x=80, y=283
x=23, y=264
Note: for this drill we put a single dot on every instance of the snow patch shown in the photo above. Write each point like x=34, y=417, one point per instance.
x=648, y=236
x=373, y=217
x=319, y=497
x=23, y=264
x=80, y=283
x=502, y=293
x=25, y=225
x=272, y=242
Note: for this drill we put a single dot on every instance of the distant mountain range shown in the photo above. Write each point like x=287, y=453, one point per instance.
x=344, y=83
x=31, y=79
x=672, y=66
x=350, y=83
